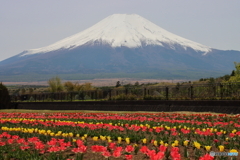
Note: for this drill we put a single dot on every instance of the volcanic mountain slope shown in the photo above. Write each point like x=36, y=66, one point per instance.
x=121, y=43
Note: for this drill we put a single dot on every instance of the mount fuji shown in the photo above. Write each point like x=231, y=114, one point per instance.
x=126, y=44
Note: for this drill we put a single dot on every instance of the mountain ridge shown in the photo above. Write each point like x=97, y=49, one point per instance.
x=122, y=43
x=121, y=30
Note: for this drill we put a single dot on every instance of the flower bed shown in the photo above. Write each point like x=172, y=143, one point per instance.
x=96, y=136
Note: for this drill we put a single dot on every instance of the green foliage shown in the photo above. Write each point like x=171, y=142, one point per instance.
x=55, y=84
x=233, y=73
x=236, y=73
x=125, y=97
x=71, y=87
x=31, y=99
x=23, y=90
x=118, y=84
x=152, y=97
x=211, y=81
x=136, y=84
x=4, y=97
x=30, y=90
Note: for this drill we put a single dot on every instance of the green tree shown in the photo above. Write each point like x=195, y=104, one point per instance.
x=4, y=97
x=118, y=84
x=30, y=90
x=233, y=73
x=69, y=86
x=87, y=86
x=78, y=87
x=55, y=84
x=23, y=90
x=236, y=75
x=136, y=84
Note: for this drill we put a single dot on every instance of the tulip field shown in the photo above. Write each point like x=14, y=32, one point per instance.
x=118, y=136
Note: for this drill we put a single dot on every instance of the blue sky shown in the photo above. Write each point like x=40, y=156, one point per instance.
x=30, y=24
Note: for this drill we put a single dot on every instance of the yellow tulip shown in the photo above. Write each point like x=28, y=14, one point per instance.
x=144, y=140
x=70, y=134
x=161, y=142
x=127, y=140
x=234, y=131
x=95, y=138
x=221, y=148
x=185, y=143
x=155, y=143
x=176, y=142
x=208, y=148
x=103, y=138
x=119, y=139
x=233, y=150
x=197, y=145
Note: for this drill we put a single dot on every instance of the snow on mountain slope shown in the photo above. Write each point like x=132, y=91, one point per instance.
x=122, y=30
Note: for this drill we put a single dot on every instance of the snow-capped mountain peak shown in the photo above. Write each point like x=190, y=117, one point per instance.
x=129, y=30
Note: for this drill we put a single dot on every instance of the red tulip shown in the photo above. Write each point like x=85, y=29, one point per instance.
x=106, y=154
x=112, y=145
x=144, y=149
x=128, y=156
x=206, y=157
x=129, y=148
x=80, y=149
x=162, y=148
x=98, y=148
x=116, y=153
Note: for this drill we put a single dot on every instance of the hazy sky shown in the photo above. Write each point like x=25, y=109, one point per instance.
x=28, y=24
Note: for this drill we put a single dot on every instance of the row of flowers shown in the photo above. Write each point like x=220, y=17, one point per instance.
x=55, y=148
x=118, y=136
